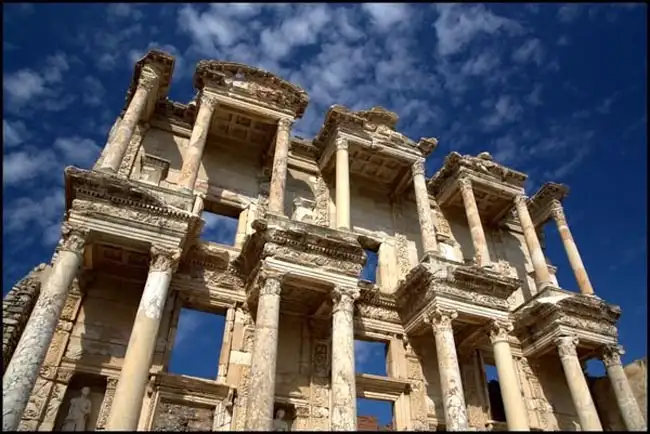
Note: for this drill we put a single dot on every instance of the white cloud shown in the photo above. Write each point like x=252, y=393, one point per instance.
x=482, y=64
x=387, y=15
x=568, y=13
x=14, y=133
x=76, y=150
x=93, y=91
x=124, y=10
x=25, y=166
x=29, y=213
x=506, y=110
x=23, y=86
x=531, y=50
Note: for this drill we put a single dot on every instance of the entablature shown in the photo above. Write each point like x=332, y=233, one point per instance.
x=542, y=202
x=156, y=64
x=185, y=386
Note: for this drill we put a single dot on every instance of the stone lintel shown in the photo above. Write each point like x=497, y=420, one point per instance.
x=378, y=387
x=185, y=385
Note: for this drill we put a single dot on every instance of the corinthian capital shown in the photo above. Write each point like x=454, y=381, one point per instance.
x=73, y=238
x=343, y=298
x=270, y=283
x=209, y=101
x=147, y=82
x=520, y=200
x=341, y=144
x=566, y=346
x=164, y=259
x=465, y=184
x=611, y=355
x=284, y=124
x=499, y=331
x=440, y=319
x=557, y=212
x=417, y=168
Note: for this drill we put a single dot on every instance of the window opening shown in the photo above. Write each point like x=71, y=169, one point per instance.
x=370, y=357
x=220, y=223
x=497, y=411
x=374, y=415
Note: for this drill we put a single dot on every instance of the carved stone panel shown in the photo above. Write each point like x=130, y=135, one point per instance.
x=182, y=417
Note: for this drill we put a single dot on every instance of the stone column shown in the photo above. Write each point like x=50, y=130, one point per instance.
x=513, y=400
x=429, y=243
x=627, y=404
x=20, y=376
x=453, y=398
x=194, y=152
x=578, y=387
x=542, y=276
x=279, y=173
x=117, y=146
x=474, y=221
x=342, y=185
x=571, y=249
x=344, y=387
x=259, y=408
x=224, y=355
x=134, y=376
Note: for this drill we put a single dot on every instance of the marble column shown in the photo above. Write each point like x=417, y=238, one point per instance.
x=119, y=142
x=279, y=173
x=481, y=251
x=513, y=399
x=427, y=229
x=580, y=394
x=627, y=403
x=259, y=406
x=194, y=153
x=453, y=398
x=342, y=185
x=344, y=387
x=571, y=249
x=21, y=374
x=542, y=276
x=134, y=376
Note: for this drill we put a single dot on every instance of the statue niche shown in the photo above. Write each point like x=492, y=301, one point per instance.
x=283, y=420
x=80, y=408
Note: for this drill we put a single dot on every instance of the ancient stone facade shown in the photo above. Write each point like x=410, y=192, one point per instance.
x=462, y=280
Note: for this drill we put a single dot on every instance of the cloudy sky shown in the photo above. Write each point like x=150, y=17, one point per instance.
x=557, y=91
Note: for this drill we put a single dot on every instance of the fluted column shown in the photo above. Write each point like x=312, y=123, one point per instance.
x=194, y=152
x=571, y=249
x=474, y=221
x=119, y=143
x=427, y=229
x=279, y=173
x=20, y=376
x=580, y=394
x=344, y=395
x=453, y=398
x=627, y=403
x=131, y=386
x=542, y=276
x=259, y=409
x=513, y=400
x=342, y=185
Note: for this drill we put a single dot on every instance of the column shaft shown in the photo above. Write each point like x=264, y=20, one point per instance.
x=453, y=398
x=627, y=403
x=342, y=185
x=194, y=152
x=20, y=376
x=577, y=383
x=542, y=276
x=427, y=229
x=344, y=387
x=474, y=221
x=259, y=409
x=513, y=400
x=279, y=173
x=120, y=140
x=131, y=386
x=225, y=345
x=584, y=284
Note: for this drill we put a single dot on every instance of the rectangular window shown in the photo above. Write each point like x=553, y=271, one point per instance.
x=374, y=415
x=369, y=271
x=220, y=223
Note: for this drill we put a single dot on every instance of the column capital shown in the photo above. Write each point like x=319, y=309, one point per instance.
x=464, y=184
x=520, y=199
x=440, y=319
x=341, y=144
x=418, y=167
x=611, y=355
x=284, y=124
x=209, y=100
x=73, y=238
x=270, y=283
x=499, y=331
x=164, y=259
x=557, y=211
x=566, y=346
x=148, y=82
x=343, y=298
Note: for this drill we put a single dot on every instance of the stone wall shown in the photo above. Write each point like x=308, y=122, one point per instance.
x=182, y=417
x=17, y=306
x=603, y=394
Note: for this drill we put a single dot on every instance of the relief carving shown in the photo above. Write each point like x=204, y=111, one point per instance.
x=164, y=259
x=73, y=238
x=322, y=197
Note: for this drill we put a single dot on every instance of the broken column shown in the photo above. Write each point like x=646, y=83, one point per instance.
x=259, y=408
x=453, y=398
x=481, y=251
x=194, y=153
x=580, y=394
x=542, y=276
x=20, y=376
x=131, y=386
x=117, y=146
x=344, y=395
x=279, y=173
x=427, y=229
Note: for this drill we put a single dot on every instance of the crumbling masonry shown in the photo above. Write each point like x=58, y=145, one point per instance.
x=462, y=278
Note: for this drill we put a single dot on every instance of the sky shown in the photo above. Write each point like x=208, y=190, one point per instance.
x=557, y=91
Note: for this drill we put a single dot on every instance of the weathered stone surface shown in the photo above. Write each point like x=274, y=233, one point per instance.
x=179, y=417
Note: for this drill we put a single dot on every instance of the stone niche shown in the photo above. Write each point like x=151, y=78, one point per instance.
x=97, y=386
x=286, y=423
x=179, y=415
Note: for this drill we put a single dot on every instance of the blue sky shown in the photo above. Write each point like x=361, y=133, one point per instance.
x=557, y=91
